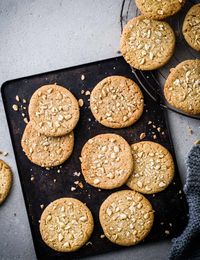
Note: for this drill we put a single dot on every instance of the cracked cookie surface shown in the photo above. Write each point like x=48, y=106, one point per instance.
x=182, y=87
x=147, y=44
x=116, y=102
x=66, y=224
x=53, y=110
x=126, y=217
x=153, y=167
x=106, y=161
x=46, y=151
x=5, y=180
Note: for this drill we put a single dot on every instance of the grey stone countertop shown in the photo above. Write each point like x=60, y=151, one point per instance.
x=44, y=35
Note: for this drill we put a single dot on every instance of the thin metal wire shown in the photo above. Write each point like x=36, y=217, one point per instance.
x=154, y=90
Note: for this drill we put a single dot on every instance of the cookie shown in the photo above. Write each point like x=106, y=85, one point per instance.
x=106, y=161
x=116, y=102
x=182, y=87
x=159, y=10
x=53, y=110
x=126, y=217
x=46, y=151
x=191, y=27
x=66, y=224
x=5, y=180
x=147, y=44
x=153, y=168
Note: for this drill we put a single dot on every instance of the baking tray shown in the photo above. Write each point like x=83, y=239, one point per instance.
x=39, y=185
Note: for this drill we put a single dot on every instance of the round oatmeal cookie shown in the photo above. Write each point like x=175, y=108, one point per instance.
x=53, y=110
x=153, y=168
x=116, y=102
x=191, y=27
x=126, y=217
x=46, y=151
x=182, y=87
x=106, y=161
x=159, y=9
x=147, y=44
x=5, y=180
x=66, y=224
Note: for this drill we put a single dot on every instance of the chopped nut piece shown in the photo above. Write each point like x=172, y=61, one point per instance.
x=80, y=102
x=15, y=107
x=17, y=98
x=26, y=120
x=87, y=93
x=142, y=136
x=82, y=77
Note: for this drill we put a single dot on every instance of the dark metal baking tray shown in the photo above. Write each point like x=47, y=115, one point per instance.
x=169, y=205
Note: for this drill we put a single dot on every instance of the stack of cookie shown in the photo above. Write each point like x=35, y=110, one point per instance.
x=48, y=138
x=147, y=43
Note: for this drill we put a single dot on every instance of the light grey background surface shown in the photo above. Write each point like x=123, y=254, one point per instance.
x=44, y=35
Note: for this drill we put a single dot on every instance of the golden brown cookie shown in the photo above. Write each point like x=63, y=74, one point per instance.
x=126, y=217
x=116, y=102
x=153, y=167
x=159, y=9
x=66, y=224
x=182, y=87
x=147, y=44
x=46, y=151
x=106, y=161
x=5, y=180
x=53, y=110
x=191, y=27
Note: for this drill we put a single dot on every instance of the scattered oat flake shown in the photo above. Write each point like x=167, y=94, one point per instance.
x=142, y=136
x=154, y=126
x=58, y=171
x=82, y=77
x=150, y=122
x=32, y=178
x=77, y=174
x=24, y=101
x=82, y=91
x=102, y=236
x=80, y=102
x=163, y=133
x=15, y=107
x=158, y=129
x=73, y=188
x=17, y=98
x=42, y=206
x=47, y=168
x=87, y=93
x=154, y=136
x=167, y=232
x=23, y=114
x=54, y=180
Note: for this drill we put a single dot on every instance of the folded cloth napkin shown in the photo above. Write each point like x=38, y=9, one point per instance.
x=183, y=246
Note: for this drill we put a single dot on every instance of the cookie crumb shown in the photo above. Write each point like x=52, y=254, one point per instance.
x=197, y=142
x=87, y=93
x=15, y=107
x=142, y=136
x=154, y=137
x=167, y=232
x=80, y=184
x=80, y=102
x=82, y=77
x=17, y=98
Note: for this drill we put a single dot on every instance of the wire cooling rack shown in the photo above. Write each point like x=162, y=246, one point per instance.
x=153, y=81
